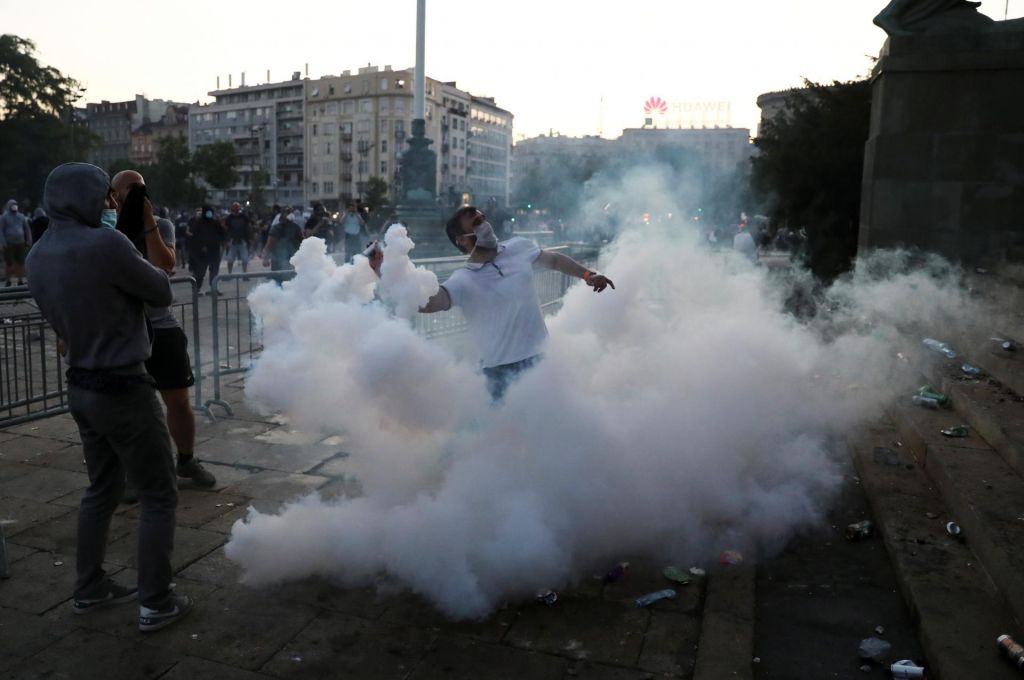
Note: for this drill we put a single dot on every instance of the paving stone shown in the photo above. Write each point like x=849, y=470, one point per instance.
x=19, y=514
x=257, y=454
x=90, y=654
x=276, y=485
x=196, y=507
x=464, y=659
x=65, y=458
x=670, y=644
x=409, y=608
x=584, y=670
x=60, y=535
x=16, y=552
x=226, y=474
x=345, y=487
x=214, y=568
x=189, y=545
x=24, y=448
x=591, y=629
x=44, y=484
x=238, y=627
x=233, y=429
x=38, y=584
x=23, y=635
x=11, y=470
x=193, y=668
x=225, y=522
x=335, y=645
x=339, y=465
x=55, y=427
x=6, y=436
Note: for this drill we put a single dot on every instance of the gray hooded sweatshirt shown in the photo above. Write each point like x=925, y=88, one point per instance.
x=90, y=282
x=14, y=227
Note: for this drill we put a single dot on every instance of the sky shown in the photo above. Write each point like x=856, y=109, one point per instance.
x=550, y=62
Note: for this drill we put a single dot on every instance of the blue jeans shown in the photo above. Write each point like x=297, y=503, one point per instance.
x=499, y=378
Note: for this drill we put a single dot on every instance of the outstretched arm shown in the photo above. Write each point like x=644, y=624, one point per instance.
x=440, y=302
x=570, y=267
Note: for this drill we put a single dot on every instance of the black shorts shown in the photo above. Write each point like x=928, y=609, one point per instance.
x=14, y=254
x=169, y=364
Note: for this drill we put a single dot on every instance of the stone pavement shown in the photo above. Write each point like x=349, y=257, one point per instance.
x=308, y=629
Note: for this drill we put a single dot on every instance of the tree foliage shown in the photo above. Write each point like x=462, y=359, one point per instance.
x=27, y=88
x=35, y=112
x=215, y=163
x=376, y=194
x=810, y=167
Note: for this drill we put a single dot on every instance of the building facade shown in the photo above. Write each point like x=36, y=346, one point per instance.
x=145, y=140
x=266, y=124
x=356, y=128
x=115, y=122
x=489, y=153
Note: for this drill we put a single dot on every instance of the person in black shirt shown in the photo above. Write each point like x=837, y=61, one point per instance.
x=239, y=230
x=206, y=235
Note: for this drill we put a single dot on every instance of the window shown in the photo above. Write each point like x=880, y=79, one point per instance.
x=316, y=188
x=330, y=91
x=383, y=84
x=348, y=108
x=328, y=149
x=384, y=102
x=399, y=104
x=384, y=146
x=384, y=168
x=328, y=187
x=366, y=87
x=363, y=126
x=231, y=115
x=399, y=125
x=400, y=84
x=347, y=89
x=383, y=125
x=314, y=129
x=346, y=128
x=366, y=105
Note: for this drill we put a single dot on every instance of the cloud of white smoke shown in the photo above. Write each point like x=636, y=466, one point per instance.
x=682, y=414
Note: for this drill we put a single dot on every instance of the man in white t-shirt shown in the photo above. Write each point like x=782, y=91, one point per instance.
x=495, y=292
x=743, y=243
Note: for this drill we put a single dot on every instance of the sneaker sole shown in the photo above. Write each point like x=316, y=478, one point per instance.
x=166, y=621
x=104, y=604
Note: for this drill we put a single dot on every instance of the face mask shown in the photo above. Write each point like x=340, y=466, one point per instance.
x=108, y=218
x=485, y=236
x=209, y=215
x=14, y=208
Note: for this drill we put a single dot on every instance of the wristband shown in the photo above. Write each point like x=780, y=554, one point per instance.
x=586, y=275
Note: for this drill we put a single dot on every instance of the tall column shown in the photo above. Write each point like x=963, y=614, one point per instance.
x=418, y=112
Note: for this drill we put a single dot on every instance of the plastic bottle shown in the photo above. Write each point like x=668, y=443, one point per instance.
x=1012, y=649
x=651, y=598
x=940, y=347
x=927, y=402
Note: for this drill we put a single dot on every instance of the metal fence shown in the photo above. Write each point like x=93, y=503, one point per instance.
x=224, y=337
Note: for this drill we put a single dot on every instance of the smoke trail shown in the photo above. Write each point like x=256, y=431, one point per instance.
x=682, y=414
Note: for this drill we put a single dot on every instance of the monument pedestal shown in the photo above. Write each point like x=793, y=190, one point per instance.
x=944, y=163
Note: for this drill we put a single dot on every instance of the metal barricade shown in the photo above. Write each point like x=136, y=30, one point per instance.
x=32, y=381
x=227, y=309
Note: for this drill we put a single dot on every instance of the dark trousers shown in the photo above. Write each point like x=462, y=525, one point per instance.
x=125, y=433
x=500, y=377
x=205, y=260
x=353, y=246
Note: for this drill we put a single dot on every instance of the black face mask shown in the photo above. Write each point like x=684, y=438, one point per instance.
x=130, y=221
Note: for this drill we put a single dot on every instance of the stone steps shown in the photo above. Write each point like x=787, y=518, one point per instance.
x=958, y=608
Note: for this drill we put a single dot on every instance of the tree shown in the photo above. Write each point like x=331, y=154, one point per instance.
x=215, y=163
x=810, y=167
x=376, y=194
x=27, y=88
x=36, y=128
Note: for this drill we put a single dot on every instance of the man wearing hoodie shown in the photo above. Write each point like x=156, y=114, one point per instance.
x=15, y=240
x=92, y=286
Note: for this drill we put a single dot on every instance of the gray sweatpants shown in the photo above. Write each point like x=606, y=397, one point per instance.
x=125, y=433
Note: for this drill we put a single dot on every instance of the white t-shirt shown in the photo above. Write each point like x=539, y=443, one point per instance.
x=500, y=303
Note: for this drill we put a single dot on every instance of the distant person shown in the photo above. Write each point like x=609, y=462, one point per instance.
x=181, y=239
x=92, y=286
x=207, y=236
x=15, y=240
x=320, y=226
x=496, y=293
x=283, y=241
x=355, y=231
x=743, y=243
x=169, y=363
x=239, y=233
x=39, y=224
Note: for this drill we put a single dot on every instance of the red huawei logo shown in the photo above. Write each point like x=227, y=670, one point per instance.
x=655, y=105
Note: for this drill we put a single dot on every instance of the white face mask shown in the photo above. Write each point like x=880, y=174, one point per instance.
x=485, y=236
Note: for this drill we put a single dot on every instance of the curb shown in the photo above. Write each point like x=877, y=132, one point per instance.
x=726, y=648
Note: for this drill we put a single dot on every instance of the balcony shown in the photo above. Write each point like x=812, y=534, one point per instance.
x=346, y=137
x=346, y=177
x=444, y=148
x=346, y=156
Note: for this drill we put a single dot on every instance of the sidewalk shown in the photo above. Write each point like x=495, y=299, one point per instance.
x=309, y=629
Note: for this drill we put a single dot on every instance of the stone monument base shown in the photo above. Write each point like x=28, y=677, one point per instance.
x=425, y=223
x=944, y=163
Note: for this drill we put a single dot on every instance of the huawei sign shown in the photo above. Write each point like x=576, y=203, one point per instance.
x=656, y=105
